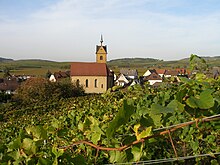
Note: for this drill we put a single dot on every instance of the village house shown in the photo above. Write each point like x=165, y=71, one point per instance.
x=9, y=85
x=171, y=73
x=95, y=77
x=59, y=76
x=181, y=71
x=121, y=81
x=153, y=78
x=149, y=72
x=130, y=74
x=160, y=72
x=127, y=77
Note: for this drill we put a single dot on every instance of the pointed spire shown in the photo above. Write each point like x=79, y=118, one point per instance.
x=101, y=40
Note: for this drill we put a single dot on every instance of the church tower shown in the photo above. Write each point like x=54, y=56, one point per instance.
x=101, y=52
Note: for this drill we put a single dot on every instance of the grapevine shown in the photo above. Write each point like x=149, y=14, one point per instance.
x=134, y=125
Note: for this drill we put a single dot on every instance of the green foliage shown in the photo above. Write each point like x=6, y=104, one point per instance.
x=4, y=97
x=48, y=74
x=69, y=89
x=6, y=72
x=39, y=89
x=197, y=64
x=203, y=101
x=43, y=133
x=121, y=118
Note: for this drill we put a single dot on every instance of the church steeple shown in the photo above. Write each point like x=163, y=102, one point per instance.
x=101, y=52
x=101, y=40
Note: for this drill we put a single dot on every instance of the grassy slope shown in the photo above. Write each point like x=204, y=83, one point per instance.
x=40, y=67
x=33, y=67
x=143, y=64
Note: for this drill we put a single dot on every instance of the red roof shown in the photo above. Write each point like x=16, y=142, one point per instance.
x=60, y=74
x=171, y=72
x=160, y=71
x=89, y=69
x=181, y=71
x=9, y=85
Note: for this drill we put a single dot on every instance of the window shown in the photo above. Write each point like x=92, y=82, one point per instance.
x=102, y=86
x=95, y=83
x=101, y=57
x=87, y=83
x=77, y=82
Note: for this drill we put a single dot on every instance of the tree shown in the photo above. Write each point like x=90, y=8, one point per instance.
x=6, y=72
x=33, y=90
x=48, y=74
x=40, y=89
x=69, y=89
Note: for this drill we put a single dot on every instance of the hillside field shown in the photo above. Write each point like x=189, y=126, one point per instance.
x=40, y=67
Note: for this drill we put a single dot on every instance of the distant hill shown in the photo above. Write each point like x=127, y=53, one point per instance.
x=40, y=67
x=207, y=58
x=35, y=60
x=133, y=62
x=5, y=59
x=156, y=63
x=33, y=64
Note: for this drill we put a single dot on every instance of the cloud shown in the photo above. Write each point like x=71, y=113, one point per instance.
x=69, y=30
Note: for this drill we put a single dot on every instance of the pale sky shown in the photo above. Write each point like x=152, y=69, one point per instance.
x=69, y=30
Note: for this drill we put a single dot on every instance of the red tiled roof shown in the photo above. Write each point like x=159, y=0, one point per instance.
x=160, y=71
x=9, y=85
x=61, y=75
x=181, y=70
x=89, y=69
x=171, y=72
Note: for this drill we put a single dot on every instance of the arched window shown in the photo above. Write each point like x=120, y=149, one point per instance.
x=101, y=57
x=77, y=82
x=87, y=83
x=96, y=83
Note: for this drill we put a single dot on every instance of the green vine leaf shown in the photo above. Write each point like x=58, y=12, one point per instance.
x=15, y=155
x=38, y=132
x=156, y=119
x=192, y=102
x=55, y=123
x=15, y=144
x=44, y=161
x=117, y=156
x=204, y=100
x=176, y=106
x=146, y=132
x=137, y=152
x=121, y=118
x=29, y=146
x=158, y=109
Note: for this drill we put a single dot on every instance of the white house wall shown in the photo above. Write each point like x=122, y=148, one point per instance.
x=152, y=82
x=147, y=73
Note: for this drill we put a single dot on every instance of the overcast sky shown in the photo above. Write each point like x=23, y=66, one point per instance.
x=69, y=30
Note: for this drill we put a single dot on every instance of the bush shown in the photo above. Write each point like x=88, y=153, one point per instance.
x=69, y=89
x=4, y=97
x=39, y=89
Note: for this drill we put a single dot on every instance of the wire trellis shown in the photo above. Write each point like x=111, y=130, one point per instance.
x=166, y=160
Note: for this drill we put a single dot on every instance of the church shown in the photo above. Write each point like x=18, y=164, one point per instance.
x=95, y=77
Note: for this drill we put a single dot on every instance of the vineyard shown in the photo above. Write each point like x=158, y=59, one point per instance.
x=139, y=125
